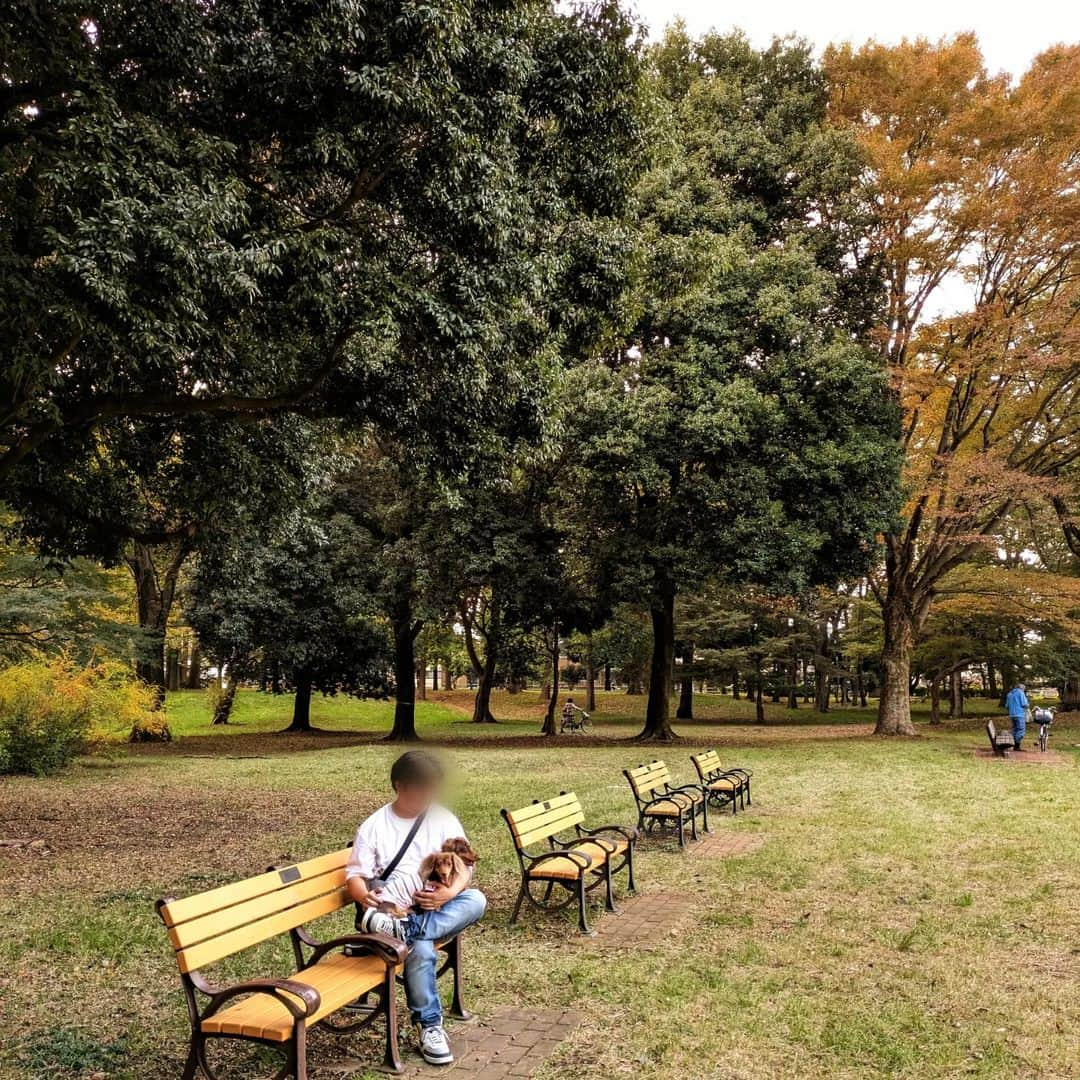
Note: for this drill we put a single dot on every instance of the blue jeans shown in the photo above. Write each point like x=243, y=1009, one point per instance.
x=421, y=933
x=1019, y=724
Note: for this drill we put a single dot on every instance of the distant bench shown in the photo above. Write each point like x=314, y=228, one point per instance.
x=722, y=786
x=1001, y=742
x=329, y=987
x=661, y=804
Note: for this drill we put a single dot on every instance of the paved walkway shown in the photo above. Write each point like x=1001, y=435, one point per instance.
x=721, y=844
x=644, y=921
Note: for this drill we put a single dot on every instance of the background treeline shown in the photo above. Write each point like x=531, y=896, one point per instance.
x=341, y=344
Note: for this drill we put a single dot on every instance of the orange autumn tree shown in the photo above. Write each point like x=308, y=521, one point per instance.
x=978, y=187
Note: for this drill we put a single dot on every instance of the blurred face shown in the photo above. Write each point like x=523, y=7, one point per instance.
x=413, y=799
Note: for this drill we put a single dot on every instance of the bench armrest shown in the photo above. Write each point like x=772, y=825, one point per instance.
x=389, y=949
x=629, y=834
x=689, y=791
x=282, y=989
x=574, y=856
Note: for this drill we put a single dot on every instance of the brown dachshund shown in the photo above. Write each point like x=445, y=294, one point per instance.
x=463, y=849
x=440, y=868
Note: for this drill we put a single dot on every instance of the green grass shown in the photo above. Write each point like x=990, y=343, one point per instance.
x=911, y=913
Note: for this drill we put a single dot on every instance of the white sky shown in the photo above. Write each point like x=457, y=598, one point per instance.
x=1011, y=33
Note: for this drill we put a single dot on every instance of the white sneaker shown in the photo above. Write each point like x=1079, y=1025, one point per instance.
x=435, y=1046
x=378, y=922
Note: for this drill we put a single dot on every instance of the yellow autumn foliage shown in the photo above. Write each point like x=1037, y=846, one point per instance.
x=53, y=710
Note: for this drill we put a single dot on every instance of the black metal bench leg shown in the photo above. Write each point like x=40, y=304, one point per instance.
x=520, y=900
x=300, y=1051
x=682, y=839
x=457, y=1004
x=583, y=918
x=391, y=1057
x=631, y=888
x=704, y=813
x=609, y=893
x=191, y=1066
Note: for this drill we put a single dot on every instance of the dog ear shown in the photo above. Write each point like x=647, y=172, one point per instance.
x=426, y=866
x=457, y=864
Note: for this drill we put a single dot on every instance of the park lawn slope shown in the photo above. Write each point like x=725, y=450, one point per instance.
x=909, y=913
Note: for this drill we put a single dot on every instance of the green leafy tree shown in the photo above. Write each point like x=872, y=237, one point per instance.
x=744, y=428
x=300, y=599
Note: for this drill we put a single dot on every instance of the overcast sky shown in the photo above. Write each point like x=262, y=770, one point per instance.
x=1011, y=33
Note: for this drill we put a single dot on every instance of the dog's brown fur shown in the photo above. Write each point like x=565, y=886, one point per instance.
x=443, y=868
x=463, y=849
x=440, y=868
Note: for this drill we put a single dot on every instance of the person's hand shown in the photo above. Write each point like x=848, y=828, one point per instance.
x=432, y=899
x=372, y=899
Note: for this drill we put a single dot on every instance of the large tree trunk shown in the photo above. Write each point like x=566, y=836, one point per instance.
x=607, y=677
x=482, y=705
x=448, y=678
x=172, y=668
x=484, y=669
x=894, y=694
x=759, y=700
x=193, y=679
x=935, y=699
x=154, y=597
x=226, y=699
x=956, y=694
x=821, y=690
x=301, y=717
x=658, y=708
x=991, y=680
x=405, y=631
x=1070, y=696
x=590, y=680
x=793, y=682
x=548, y=727
x=685, y=711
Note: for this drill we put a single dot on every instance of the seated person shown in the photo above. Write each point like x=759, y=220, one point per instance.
x=385, y=867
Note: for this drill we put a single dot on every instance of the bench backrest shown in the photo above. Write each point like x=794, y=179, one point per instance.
x=646, y=779
x=215, y=924
x=991, y=730
x=706, y=763
x=543, y=820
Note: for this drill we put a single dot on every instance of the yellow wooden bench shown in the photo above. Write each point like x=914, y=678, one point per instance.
x=722, y=787
x=663, y=805
x=329, y=988
x=583, y=862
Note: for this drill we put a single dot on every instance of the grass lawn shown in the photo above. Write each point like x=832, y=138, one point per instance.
x=911, y=912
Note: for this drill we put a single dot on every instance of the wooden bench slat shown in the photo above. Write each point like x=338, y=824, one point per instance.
x=215, y=923
x=551, y=827
x=339, y=979
x=178, y=911
x=527, y=813
x=206, y=952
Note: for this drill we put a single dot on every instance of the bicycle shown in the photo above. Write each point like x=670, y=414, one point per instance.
x=1044, y=718
x=576, y=721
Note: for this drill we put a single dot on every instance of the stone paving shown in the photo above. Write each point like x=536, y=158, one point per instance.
x=645, y=920
x=511, y=1043
x=721, y=844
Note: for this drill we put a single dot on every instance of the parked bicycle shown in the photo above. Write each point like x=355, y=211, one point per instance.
x=1044, y=718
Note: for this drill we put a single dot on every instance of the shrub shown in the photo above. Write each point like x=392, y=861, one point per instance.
x=53, y=710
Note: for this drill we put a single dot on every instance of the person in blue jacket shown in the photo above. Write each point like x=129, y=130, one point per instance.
x=1017, y=703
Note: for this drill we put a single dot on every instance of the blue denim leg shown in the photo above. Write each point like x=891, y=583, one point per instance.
x=1019, y=724
x=421, y=934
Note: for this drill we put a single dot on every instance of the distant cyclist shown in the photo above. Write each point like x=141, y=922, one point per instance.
x=573, y=717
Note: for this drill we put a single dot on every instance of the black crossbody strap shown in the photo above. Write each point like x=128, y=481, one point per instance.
x=392, y=865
